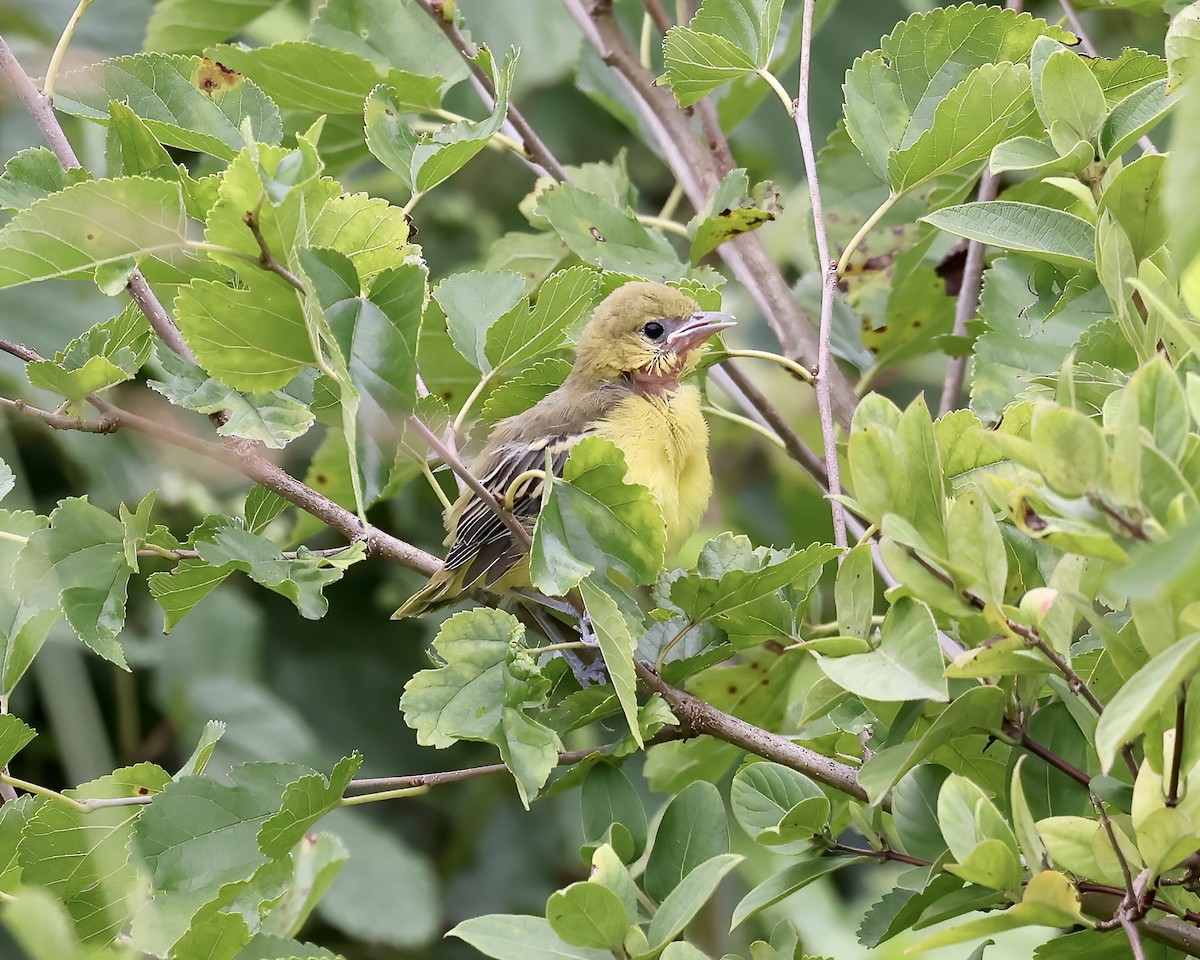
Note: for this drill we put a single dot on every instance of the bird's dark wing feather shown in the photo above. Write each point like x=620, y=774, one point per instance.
x=480, y=535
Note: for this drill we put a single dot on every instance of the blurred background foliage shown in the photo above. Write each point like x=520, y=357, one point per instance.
x=312, y=692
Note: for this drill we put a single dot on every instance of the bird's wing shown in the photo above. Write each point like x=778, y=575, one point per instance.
x=480, y=534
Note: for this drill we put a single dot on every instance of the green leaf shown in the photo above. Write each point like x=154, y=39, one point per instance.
x=776, y=805
x=83, y=858
x=1183, y=46
x=1042, y=232
x=906, y=666
x=252, y=338
x=606, y=236
x=588, y=915
x=14, y=735
x=698, y=63
x=1182, y=188
x=109, y=353
x=24, y=625
x=975, y=546
x=1133, y=117
x=519, y=336
x=1070, y=450
x=305, y=801
x=1069, y=95
x=188, y=26
x=854, y=592
x=914, y=811
x=302, y=75
x=726, y=39
x=526, y=388
x=188, y=102
x=389, y=34
x=39, y=923
x=1033, y=322
x=1026, y=154
x=784, y=884
x=199, y=834
x=301, y=579
x=733, y=209
x=422, y=161
x=892, y=94
x=980, y=709
x=1145, y=693
x=511, y=937
x=608, y=799
x=592, y=521
x=91, y=224
x=273, y=419
x=705, y=598
x=1049, y=900
x=991, y=105
x=34, y=173
x=693, y=829
x=687, y=899
x=1134, y=199
x=195, y=765
x=617, y=643
x=486, y=680
x=78, y=563
x=473, y=303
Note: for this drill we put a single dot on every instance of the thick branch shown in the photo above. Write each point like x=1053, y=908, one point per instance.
x=698, y=717
x=244, y=457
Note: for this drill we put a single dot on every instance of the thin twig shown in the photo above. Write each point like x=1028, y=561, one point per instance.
x=450, y=458
x=42, y=111
x=887, y=853
x=967, y=303
x=535, y=149
x=828, y=281
x=265, y=257
x=1016, y=732
x=1172, y=798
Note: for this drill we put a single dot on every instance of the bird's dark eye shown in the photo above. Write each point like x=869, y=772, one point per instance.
x=654, y=330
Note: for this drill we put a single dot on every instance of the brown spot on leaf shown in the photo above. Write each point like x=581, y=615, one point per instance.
x=731, y=689
x=599, y=237
x=212, y=77
x=143, y=791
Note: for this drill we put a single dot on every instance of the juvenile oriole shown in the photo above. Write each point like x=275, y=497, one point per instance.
x=639, y=344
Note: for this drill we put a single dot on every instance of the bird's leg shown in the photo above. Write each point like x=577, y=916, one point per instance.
x=588, y=668
x=557, y=604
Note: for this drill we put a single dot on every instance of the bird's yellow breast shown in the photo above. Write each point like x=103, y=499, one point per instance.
x=665, y=442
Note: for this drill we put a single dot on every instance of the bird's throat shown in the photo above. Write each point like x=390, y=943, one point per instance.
x=655, y=380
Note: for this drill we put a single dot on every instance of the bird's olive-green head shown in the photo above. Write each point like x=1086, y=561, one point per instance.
x=646, y=333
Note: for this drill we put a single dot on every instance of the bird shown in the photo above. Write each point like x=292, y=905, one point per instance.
x=626, y=384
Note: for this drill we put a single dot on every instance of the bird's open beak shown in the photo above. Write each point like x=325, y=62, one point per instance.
x=696, y=329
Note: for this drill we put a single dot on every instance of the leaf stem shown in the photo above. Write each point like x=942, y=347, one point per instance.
x=447, y=503
x=784, y=97
x=646, y=39
x=60, y=49
x=764, y=432
x=791, y=366
x=39, y=790
x=662, y=223
x=867, y=226
x=382, y=795
x=474, y=395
